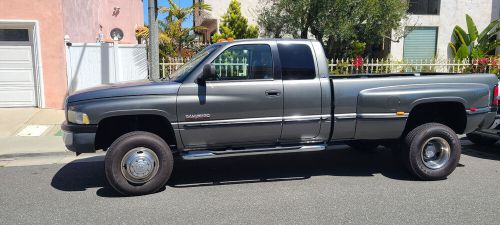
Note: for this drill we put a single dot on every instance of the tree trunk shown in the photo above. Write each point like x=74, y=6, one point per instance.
x=319, y=36
x=312, y=12
x=304, y=31
x=179, y=49
x=330, y=48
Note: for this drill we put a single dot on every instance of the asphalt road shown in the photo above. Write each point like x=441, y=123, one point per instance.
x=335, y=187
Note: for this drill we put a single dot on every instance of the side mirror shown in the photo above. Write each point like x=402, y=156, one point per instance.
x=208, y=73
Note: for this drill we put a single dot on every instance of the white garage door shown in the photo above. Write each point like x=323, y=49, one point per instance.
x=17, y=81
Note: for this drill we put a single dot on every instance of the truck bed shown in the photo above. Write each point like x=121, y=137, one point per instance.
x=366, y=109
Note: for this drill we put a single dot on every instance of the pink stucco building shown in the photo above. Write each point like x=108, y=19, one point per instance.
x=32, y=47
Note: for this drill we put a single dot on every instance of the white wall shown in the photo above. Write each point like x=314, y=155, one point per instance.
x=452, y=13
x=90, y=65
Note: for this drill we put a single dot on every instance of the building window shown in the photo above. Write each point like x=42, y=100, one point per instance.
x=424, y=7
x=14, y=35
x=420, y=43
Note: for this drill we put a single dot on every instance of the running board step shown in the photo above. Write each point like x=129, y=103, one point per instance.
x=204, y=154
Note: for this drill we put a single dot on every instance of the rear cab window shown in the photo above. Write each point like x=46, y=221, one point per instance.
x=297, y=62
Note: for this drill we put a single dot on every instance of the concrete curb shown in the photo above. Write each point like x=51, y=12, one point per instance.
x=34, y=155
x=46, y=158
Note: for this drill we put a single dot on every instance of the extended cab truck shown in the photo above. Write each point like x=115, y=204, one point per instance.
x=268, y=96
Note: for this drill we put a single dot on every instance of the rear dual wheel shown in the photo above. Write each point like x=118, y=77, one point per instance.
x=431, y=151
x=138, y=163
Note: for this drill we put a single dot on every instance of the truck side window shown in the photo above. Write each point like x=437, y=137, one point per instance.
x=244, y=62
x=296, y=62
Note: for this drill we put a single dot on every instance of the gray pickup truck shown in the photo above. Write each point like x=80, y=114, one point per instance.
x=260, y=96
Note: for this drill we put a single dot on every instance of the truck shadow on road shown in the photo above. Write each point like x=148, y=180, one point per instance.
x=491, y=152
x=80, y=175
x=342, y=161
x=287, y=167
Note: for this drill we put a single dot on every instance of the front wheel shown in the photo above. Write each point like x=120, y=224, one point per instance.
x=138, y=163
x=431, y=151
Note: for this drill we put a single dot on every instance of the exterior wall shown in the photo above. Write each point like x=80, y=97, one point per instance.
x=97, y=16
x=81, y=20
x=87, y=20
x=49, y=15
x=128, y=19
x=452, y=13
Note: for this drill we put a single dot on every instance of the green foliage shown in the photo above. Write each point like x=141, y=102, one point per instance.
x=335, y=23
x=235, y=25
x=172, y=36
x=342, y=68
x=226, y=33
x=472, y=44
x=252, y=32
x=172, y=26
x=357, y=48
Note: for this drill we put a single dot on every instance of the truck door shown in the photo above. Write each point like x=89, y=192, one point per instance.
x=242, y=106
x=301, y=92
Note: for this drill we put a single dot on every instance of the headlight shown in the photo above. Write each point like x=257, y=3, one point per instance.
x=78, y=117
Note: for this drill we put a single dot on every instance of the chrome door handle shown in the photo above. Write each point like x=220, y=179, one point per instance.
x=273, y=93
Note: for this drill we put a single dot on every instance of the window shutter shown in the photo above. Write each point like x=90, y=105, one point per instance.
x=420, y=43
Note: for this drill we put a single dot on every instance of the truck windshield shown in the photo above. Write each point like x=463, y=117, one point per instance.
x=185, y=69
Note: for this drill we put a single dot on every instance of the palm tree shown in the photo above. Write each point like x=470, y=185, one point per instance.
x=172, y=36
x=143, y=33
x=175, y=17
x=474, y=44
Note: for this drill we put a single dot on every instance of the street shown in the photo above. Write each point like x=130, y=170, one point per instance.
x=341, y=186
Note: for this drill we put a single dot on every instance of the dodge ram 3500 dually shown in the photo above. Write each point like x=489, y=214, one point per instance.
x=272, y=96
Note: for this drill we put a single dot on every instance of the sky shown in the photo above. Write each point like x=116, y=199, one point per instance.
x=181, y=3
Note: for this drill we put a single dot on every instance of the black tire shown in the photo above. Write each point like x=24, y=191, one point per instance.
x=363, y=145
x=413, y=146
x=126, y=143
x=481, y=139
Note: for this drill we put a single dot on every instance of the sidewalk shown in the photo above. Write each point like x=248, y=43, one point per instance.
x=14, y=120
x=32, y=136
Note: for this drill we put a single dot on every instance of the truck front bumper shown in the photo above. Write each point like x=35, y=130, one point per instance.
x=79, y=138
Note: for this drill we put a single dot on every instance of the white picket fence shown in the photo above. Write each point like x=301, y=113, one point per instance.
x=358, y=66
x=93, y=64
x=170, y=65
x=224, y=66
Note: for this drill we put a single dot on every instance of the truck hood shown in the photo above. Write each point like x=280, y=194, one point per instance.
x=141, y=87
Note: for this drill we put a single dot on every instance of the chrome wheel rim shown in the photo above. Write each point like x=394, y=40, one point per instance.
x=139, y=165
x=435, y=153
